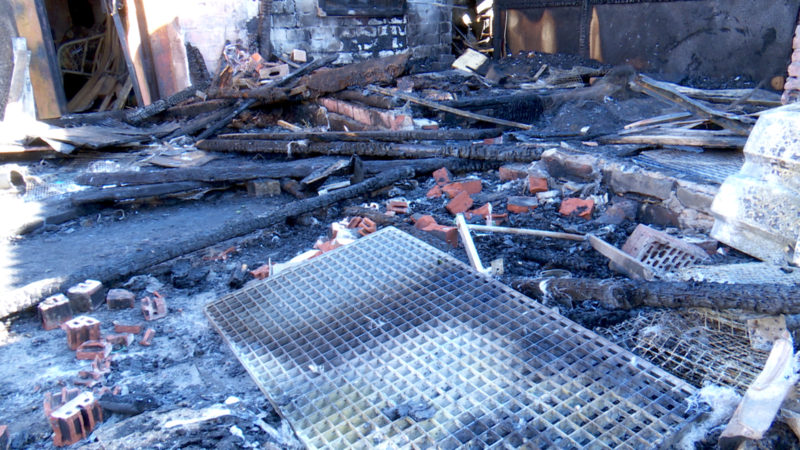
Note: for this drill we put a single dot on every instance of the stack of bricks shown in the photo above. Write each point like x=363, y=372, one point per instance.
x=791, y=89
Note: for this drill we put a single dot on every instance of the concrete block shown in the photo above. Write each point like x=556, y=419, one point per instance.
x=651, y=184
x=86, y=296
x=120, y=299
x=696, y=197
x=299, y=56
x=54, y=311
x=658, y=215
x=570, y=167
x=80, y=330
x=264, y=188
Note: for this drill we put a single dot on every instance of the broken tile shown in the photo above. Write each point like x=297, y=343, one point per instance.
x=54, y=311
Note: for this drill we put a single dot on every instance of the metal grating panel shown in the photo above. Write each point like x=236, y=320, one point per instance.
x=390, y=342
x=699, y=345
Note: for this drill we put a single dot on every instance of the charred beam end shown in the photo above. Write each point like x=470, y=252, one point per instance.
x=139, y=115
x=29, y=295
x=504, y=152
x=627, y=294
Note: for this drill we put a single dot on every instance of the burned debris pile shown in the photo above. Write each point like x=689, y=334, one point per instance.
x=351, y=232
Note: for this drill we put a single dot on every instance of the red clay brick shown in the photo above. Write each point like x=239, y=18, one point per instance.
x=124, y=328
x=460, y=203
x=581, y=208
x=120, y=299
x=468, y=186
x=521, y=205
x=441, y=176
x=367, y=226
x=424, y=221
x=154, y=308
x=119, y=340
x=512, y=172
x=54, y=311
x=147, y=339
x=444, y=232
x=86, y=296
x=537, y=184
x=397, y=206
x=80, y=330
x=90, y=350
x=482, y=212
x=434, y=192
x=75, y=420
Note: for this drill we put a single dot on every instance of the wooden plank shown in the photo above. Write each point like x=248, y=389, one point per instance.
x=126, y=54
x=691, y=138
x=138, y=43
x=620, y=260
x=48, y=90
x=740, y=125
x=440, y=107
x=385, y=136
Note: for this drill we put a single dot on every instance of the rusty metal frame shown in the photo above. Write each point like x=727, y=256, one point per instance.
x=390, y=321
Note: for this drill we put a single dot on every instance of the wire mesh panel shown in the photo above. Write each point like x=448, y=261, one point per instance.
x=389, y=342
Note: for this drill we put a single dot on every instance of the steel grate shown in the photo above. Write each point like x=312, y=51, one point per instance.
x=389, y=323
x=709, y=165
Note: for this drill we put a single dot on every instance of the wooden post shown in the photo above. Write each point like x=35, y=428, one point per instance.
x=48, y=88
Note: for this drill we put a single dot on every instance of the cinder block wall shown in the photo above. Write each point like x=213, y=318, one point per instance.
x=424, y=30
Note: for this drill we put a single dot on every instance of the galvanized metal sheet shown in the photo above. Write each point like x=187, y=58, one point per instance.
x=389, y=342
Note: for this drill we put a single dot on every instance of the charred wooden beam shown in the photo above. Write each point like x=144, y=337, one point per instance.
x=503, y=152
x=133, y=192
x=226, y=119
x=357, y=95
x=628, y=294
x=115, y=269
x=383, y=136
x=139, y=115
x=381, y=70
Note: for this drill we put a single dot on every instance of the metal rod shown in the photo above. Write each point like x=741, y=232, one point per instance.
x=469, y=245
x=527, y=232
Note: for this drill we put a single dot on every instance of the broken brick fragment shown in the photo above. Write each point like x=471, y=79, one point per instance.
x=262, y=272
x=154, y=308
x=53, y=402
x=434, y=192
x=441, y=176
x=326, y=246
x=444, y=232
x=521, y=205
x=397, y=206
x=54, y=311
x=119, y=340
x=468, y=186
x=423, y=221
x=367, y=226
x=460, y=203
x=80, y=330
x=511, y=172
x=86, y=296
x=577, y=206
x=537, y=184
x=354, y=222
x=4, y=440
x=120, y=299
x=90, y=350
x=147, y=339
x=482, y=212
x=124, y=328
x=75, y=420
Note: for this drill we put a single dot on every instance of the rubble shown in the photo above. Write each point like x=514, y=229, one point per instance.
x=620, y=202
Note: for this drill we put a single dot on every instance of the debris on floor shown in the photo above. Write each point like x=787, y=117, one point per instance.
x=374, y=248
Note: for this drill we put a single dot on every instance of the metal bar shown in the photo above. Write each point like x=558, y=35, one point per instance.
x=527, y=232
